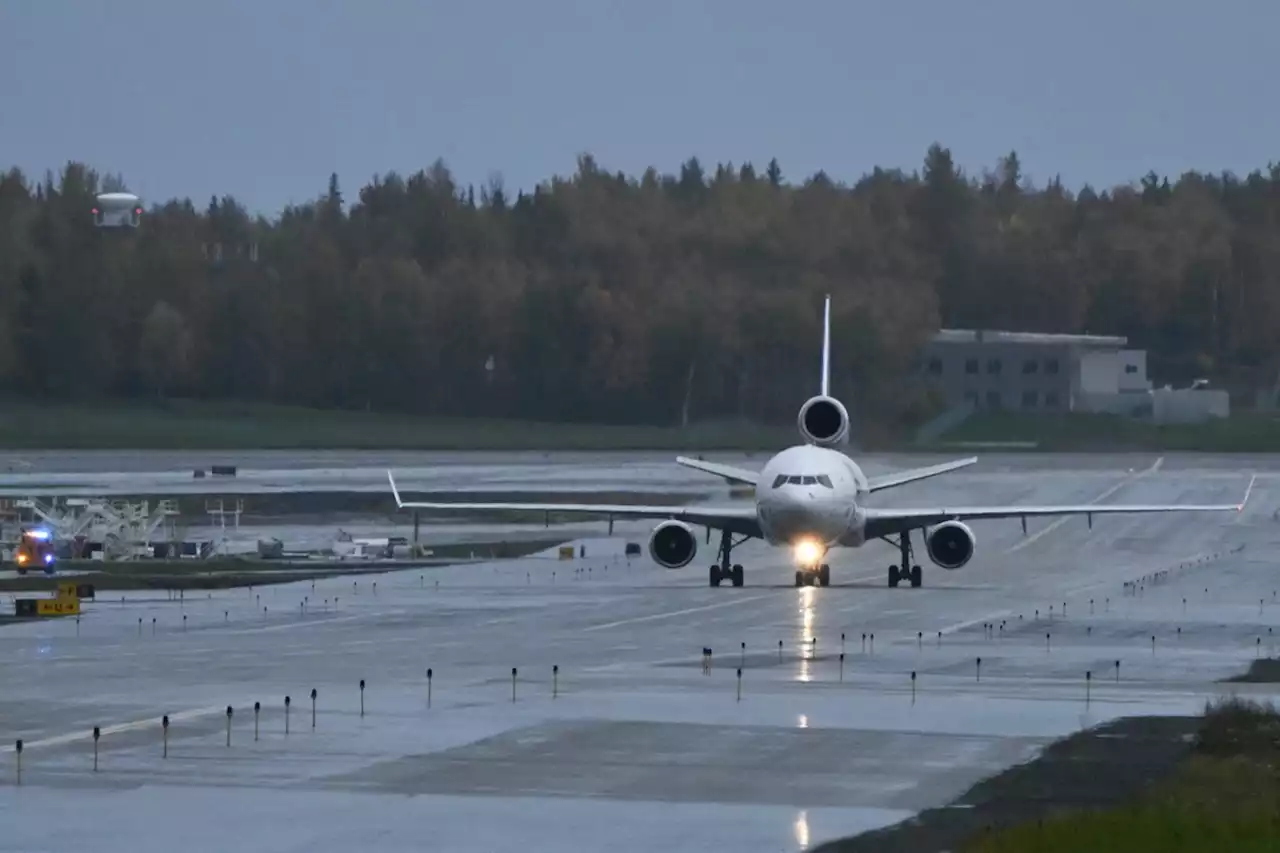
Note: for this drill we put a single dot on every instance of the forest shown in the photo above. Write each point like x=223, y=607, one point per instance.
x=611, y=298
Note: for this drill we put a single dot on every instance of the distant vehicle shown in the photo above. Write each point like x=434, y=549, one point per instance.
x=35, y=549
x=117, y=210
x=811, y=498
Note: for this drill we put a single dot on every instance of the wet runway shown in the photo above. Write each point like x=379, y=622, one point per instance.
x=631, y=745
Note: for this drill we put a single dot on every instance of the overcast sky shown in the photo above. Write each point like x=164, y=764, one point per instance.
x=262, y=99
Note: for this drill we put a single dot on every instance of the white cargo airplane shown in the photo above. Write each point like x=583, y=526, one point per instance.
x=812, y=498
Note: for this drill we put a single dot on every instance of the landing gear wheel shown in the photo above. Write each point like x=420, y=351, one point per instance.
x=727, y=570
x=904, y=571
x=799, y=579
x=824, y=575
x=917, y=577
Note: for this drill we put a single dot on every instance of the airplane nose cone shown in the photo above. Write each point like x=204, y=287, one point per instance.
x=791, y=518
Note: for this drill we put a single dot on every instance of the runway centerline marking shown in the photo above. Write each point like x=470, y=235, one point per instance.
x=1155, y=466
x=293, y=626
x=655, y=616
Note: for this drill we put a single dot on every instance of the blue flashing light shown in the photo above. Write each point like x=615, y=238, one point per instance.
x=48, y=558
x=42, y=535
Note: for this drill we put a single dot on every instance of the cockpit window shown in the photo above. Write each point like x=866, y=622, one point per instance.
x=796, y=480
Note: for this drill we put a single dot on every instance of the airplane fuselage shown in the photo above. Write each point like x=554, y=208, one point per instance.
x=809, y=494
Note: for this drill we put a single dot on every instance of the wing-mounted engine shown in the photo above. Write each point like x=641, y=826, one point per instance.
x=950, y=544
x=824, y=421
x=673, y=545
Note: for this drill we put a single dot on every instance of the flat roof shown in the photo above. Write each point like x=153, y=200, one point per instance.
x=973, y=336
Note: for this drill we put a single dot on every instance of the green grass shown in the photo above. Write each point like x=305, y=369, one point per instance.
x=1247, y=433
x=1224, y=797
x=191, y=425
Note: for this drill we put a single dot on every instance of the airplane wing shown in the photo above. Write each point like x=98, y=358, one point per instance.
x=883, y=522
x=740, y=520
x=729, y=472
x=899, y=478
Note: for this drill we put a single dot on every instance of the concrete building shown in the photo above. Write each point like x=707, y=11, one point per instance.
x=1029, y=371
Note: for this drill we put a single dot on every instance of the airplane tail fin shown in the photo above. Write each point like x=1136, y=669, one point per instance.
x=826, y=348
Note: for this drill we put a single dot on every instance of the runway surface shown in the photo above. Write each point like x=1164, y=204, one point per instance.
x=633, y=746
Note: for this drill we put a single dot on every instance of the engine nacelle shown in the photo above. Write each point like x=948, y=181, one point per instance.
x=823, y=421
x=673, y=545
x=950, y=544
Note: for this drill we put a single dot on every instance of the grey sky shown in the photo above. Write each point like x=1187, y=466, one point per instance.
x=262, y=99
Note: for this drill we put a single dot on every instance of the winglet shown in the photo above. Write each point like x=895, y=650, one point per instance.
x=826, y=347
x=1247, y=492
x=394, y=490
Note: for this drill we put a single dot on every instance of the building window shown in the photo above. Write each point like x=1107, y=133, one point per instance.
x=993, y=399
x=1051, y=366
x=1051, y=399
x=935, y=366
x=971, y=365
x=1131, y=368
x=1028, y=399
x=993, y=365
x=1030, y=365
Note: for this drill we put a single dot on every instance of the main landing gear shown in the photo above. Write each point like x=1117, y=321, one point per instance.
x=808, y=577
x=901, y=572
x=725, y=570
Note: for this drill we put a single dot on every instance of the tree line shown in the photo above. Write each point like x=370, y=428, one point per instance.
x=658, y=298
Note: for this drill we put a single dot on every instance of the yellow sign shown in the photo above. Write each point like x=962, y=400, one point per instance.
x=57, y=607
x=566, y=552
x=67, y=591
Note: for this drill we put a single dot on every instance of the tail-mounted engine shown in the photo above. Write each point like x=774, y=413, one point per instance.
x=950, y=544
x=824, y=421
x=673, y=545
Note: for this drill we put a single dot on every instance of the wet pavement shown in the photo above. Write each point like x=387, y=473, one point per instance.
x=631, y=744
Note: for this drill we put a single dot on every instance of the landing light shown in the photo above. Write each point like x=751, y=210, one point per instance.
x=808, y=552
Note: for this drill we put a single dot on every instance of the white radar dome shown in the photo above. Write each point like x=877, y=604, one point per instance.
x=117, y=210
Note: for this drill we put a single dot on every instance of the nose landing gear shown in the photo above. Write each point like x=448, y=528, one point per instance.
x=808, y=577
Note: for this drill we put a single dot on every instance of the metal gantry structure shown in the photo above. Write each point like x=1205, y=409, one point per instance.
x=125, y=528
